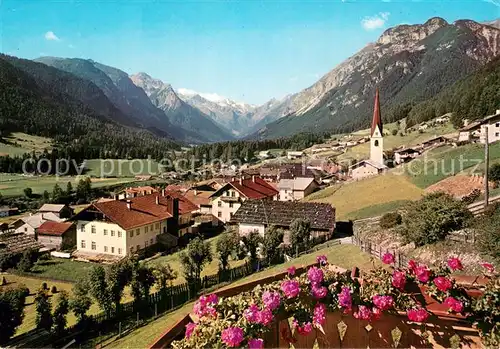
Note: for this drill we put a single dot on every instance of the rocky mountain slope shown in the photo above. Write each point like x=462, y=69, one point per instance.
x=408, y=63
x=164, y=97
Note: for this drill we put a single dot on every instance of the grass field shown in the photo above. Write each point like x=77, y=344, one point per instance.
x=351, y=197
x=62, y=269
x=121, y=168
x=377, y=210
x=14, y=184
x=21, y=143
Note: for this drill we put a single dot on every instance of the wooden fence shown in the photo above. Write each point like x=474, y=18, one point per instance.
x=378, y=251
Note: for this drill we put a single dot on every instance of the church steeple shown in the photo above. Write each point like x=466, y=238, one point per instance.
x=377, y=118
x=377, y=134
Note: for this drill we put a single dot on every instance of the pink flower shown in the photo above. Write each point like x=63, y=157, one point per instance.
x=388, y=258
x=454, y=304
x=232, y=336
x=443, y=284
x=417, y=315
x=251, y=314
x=363, y=313
x=290, y=288
x=305, y=329
x=423, y=273
x=271, y=299
x=398, y=279
x=319, y=316
x=265, y=317
x=488, y=266
x=291, y=271
x=412, y=265
x=204, y=306
x=345, y=299
x=455, y=264
x=256, y=343
x=319, y=292
x=315, y=275
x=190, y=327
x=376, y=313
x=383, y=302
x=322, y=260
x=212, y=298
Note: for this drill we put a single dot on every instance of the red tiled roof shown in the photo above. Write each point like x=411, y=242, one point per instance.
x=185, y=205
x=377, y=118
x=143, y=189
x=200, y=198
x=256, y=188
x=53, y=228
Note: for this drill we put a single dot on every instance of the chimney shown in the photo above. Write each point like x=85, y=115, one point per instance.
x=163, y=192
x=253, y=178
x=157, y=200
x=241, y=180
x=129, y=204
x=232, y=179
x=195, y=192
x=173, y=207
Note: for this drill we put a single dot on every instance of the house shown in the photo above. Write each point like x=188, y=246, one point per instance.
x=438, y=140
x=405, y=154
x=489, y=124
x=111, y=230
x=133, y=192
x=296, y=188
x=187, y=211
x=257, y=215
x=265, y=154
x=201, y=199
x=4, y=227
x=57, y=235
x=227, y=200
x=61, y=211
x=16, y=243
x=6, y=211
x=291, y=155
x=297, y=170
x=29, y=224
x=366, y=168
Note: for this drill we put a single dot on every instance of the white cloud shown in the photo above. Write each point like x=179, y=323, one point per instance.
x=375, y=22
x=494, y=2
x=51, y=36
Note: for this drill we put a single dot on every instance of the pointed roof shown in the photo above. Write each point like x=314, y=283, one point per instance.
x=377, y=118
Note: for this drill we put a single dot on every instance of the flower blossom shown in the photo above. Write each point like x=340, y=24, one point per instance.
x=345, y=299
x=204, y=306
x=256, y=343
x=319, y=316
x=488, y=266
x=232, y=336
x=190, y=327
x=423, y=273
x=383, y=302
x=454, y=304
x=305, y=329
x=271, y=299
x=455, y=264
x=291, y=271
x=363, y=313
x=251, y=314
x=398, y=279
x=319, y=292
x=315, y=275
x=265, y=317
x=417, y=314
x=412, y=265
x=322, y=260
x=388, y=258
x=443, y=284
x=376, y=313
x=290, y=288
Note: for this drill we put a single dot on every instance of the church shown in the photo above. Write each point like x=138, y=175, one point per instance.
x=375, y=165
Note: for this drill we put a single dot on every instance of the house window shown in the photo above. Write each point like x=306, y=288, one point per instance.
x=82, y=228
x=138, y=231
x=119, y=234
x=146, y=229
x=219, y=203
x=131, y=233
x=92, y=229
x=219, y=214
x=112, y=233
x=93, y=245
x=120, y=251
x=105, y=248
x=497, y=134
x=497, y=124
x=233, y=193
x=112, y=249
x=231, y=205
x=376, y=143
x=157, y=226
x=25, y=229
x=105, y=232
x=82, y=244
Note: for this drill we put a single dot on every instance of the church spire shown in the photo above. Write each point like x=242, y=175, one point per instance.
x=377, y=118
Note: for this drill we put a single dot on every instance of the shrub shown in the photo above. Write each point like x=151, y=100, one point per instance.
x=488, y=233
x=44, y=286
x=471, y=197
x=12, y=311
x=390, y=220
x=28, y=260
x=432, y=218
x=53, y=289
x=394, y=132
x=494, y=172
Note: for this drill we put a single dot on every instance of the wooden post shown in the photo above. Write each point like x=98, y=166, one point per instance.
x=120, y=329
x=486, y=168
x=137, y=321
x=156, y=310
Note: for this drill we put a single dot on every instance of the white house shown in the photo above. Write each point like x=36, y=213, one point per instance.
x=294, y=155
x=489, y=124
x=29, y=224
x=296, y=188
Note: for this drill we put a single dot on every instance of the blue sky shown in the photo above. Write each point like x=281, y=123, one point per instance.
x=249, y=50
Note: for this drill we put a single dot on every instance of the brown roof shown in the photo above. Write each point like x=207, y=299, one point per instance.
x=17, y=242
x=198, y=197
x=142, y=189
x=185, y=205
x=377, y=118
x=251, y=188
x=283, y=213
x=54, y=228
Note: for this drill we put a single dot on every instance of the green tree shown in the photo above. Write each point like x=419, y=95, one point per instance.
x=117, y=277
x=432, y=218
x=273, y=238
x=487, y=228
x=164, y=275
x=28, y=260
x=142, y=281
x=84, y=189
x=252, y=242
x=224, y=248
x=57, y=194
x=300, y=234
x=28, y=192
x=43, y=310
x=494, y=172
x=60, y=313
x=80, y=301
x=69, y=188
x=98, y=288
x=46, y=196
x=196, y=255
x=12, y=311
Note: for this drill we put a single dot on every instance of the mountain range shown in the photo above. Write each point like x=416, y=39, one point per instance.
x=409, y=64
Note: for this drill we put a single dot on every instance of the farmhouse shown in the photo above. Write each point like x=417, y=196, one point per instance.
x=291, y=155
x=16, y=243
x=200, y=198
x=6, y=211
x=61, y=211
x=264, y=154
x=490, y=124
x=133, y=192
x=257, y=215
x=296, y=188
x=29, y=224
x=405, y=154
x=228, y=199
x=366, y=168
x=434, y=142
x=57, y=235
